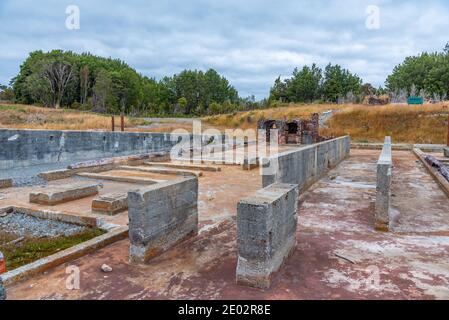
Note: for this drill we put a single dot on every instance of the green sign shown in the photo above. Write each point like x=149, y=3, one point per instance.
x=415, y=100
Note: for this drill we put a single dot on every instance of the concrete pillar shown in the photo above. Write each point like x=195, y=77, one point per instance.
x=266, y=233
x=383, y=193
x=161, y=216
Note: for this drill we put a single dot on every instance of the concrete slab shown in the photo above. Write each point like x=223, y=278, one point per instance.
x=110, y=204
x=162, y=170
x=186, y=166
x=120, y=178
x=60, y=194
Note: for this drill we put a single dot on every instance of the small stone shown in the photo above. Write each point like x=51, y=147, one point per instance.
x=106, y=268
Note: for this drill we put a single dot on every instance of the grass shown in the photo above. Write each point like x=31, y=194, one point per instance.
x=31, y=249
x=31, y=117
x=405, y=124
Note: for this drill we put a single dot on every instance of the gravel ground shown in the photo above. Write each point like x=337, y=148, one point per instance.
x=25, y=225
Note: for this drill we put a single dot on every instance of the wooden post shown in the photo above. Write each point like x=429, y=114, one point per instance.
x=112, y=123
x=122, y=122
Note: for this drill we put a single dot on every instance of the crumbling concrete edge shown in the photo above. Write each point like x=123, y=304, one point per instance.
x=37, y=267
x=433, y=172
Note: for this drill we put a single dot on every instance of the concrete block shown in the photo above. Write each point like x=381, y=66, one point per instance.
x=110, y=204
x=161, y=216
x=383, y=193
x=266, y=233
x=64, y=193
x=162, y=170
x=446, y=152
x=5, y=183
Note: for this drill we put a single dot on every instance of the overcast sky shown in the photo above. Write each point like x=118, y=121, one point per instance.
x=250, y=42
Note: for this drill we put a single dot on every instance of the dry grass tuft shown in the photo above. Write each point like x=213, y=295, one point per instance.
x=31, y=117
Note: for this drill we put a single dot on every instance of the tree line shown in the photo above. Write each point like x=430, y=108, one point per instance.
x=88, y=82
x=425, y=75
x=312, y=84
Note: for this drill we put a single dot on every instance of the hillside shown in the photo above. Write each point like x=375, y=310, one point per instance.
x=407, y=124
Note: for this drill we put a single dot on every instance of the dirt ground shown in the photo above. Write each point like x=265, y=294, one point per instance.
x=339, y=255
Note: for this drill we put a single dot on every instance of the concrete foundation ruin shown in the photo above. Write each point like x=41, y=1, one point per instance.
x=161, y=216
x=266, y=233
x=383, y=186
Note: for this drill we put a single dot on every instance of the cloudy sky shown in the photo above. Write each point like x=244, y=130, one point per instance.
x=250, y=42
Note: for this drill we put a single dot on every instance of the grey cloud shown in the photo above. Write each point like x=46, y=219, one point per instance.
x=250, y=42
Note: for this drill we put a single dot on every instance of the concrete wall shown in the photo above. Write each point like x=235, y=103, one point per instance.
x=383, y=193
x=160, y=216
x=20, y=148
x=266, y=233
x=306, y=165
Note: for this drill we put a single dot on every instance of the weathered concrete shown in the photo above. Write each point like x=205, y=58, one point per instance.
x=22, y=148
x=266, y=233
x=5, y=183
x=162, y=170
x=110, y=204
x=2, y=290
x=446, y=152
x=60, y=194
x=184, y=166
x=383, y=187
x=161, y=216
x=307, y=165
x=335, y=226
x=111, y=177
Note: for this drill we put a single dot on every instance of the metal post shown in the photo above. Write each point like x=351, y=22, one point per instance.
x=122, y=122
x=112, y=123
